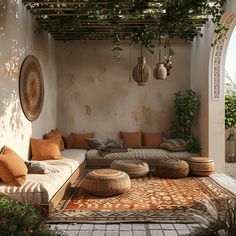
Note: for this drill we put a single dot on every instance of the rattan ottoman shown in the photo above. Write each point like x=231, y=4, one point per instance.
x=105, y=182
x=201, y=166
x=172, y=169
x=134, y=168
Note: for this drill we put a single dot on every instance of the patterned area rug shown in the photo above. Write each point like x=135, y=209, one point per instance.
x=150, y=199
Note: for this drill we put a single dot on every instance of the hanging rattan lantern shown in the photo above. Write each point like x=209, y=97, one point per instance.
x=141, y=72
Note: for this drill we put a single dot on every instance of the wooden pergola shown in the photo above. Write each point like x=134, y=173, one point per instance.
x=92, y=19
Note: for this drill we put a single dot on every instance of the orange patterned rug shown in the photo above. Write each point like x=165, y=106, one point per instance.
x=150, y=199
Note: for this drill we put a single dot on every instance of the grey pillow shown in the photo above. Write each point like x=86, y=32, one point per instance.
x=174, y=145
x=95, y=143
x=115, y=143
x=39, y=167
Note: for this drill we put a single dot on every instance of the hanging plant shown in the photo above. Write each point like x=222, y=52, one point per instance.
x=140, y=21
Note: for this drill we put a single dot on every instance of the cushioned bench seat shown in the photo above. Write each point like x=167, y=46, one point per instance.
x=150, y=156
x=41, y=188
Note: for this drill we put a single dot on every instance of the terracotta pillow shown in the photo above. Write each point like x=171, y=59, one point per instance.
x=152, y=140
x=13, y=170
x=77, y=140
x=132, y=140
x=55, y=133
x=45, y=149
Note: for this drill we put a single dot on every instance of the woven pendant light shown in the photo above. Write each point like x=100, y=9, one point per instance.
x=159, y=71
x=141, y=72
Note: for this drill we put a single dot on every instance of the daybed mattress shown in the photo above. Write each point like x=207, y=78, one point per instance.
x=40, y=188
x=93, y=158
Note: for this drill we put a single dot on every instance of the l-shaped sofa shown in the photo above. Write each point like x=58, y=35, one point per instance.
x=48, y=189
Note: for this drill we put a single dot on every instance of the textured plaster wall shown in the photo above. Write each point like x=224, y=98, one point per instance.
x=94, y=92
x=211, y=122
x=19, y=37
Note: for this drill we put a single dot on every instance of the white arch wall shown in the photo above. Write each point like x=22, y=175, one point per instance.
x=207, y=77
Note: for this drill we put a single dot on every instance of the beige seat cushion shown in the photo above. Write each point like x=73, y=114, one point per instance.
x=134, y=168
x=105, y=182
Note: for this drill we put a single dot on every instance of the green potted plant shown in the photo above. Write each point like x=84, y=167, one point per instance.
x=186, y=104
x=20, y=219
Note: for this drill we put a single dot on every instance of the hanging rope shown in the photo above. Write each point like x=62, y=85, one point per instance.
x=130, y=62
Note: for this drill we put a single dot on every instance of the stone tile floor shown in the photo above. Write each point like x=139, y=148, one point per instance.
x=126, y=229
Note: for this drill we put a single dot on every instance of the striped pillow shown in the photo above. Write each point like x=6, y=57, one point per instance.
x=174, y=145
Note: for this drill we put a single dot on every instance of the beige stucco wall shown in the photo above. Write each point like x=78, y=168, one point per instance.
x=94, y=92
x=211, y=121
x=19, y=37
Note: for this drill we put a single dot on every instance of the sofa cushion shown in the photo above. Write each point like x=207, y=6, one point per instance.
x=39, y=167
x=45, y=149
x=54, y=134
x=13, y=170
x=131, y=139
x=95, y=143
x=152, y=140
x=40, y=188
x=78, y=140
x=174, y=145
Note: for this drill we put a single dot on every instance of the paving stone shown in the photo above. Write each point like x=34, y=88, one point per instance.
x=61, y=226
x=139, y=233
x=170, y=233
x=181, y=226
x=72, y=233
x=167, y=226
x=154, y=226
x=113, y=227
x=52, y=227
x=125, y=233
x=112, y=233
x=138, y=227
x=74, y=227
x=183, y=231
x=124, y=226
x=100, y=227
x=87, y=227
x=98, y=233
x=85, y=233
x=156, y=233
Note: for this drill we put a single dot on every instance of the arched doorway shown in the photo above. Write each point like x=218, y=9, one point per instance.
x=230, y=91
x=217, y=92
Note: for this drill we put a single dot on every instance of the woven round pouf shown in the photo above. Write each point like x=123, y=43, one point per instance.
x=134, y=168
x=172, y=169
x=105, y=182
x=201, y=166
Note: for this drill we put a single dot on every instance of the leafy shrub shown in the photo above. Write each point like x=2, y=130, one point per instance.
x=230, y=111
x=22, y=220
x=186, y=104
x=216, y=225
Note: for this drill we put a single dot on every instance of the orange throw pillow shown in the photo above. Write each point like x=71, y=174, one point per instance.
x=54, y=134
x=132, y=140
x=76, y=140
x=13, y=170
x=152, y=140
x=45, y=149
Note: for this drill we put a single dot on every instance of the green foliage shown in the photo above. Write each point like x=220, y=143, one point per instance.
x=216, y=225
x=186, y=104
x=22, y=220
x=170, y=19
x=230, y=111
